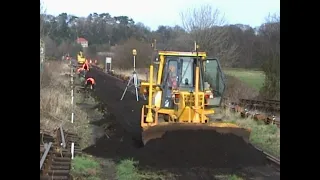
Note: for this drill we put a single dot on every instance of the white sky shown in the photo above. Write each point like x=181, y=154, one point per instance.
x=166, y=12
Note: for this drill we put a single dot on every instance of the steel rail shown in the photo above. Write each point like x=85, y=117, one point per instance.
x=44, y=156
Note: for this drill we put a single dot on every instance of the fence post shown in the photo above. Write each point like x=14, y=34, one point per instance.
x=72, y=150
x=72, y=103
x=72, y=92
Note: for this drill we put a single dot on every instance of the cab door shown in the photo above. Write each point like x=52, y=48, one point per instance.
x=214, y=78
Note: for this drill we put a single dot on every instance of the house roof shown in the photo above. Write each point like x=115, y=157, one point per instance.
x=81, y=40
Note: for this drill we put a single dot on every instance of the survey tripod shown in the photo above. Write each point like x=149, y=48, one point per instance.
x=133, y=81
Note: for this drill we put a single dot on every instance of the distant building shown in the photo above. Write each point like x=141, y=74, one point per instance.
x=83, y=42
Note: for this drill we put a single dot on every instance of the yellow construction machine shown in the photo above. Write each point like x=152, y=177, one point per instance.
x=183, y=88
x=81, y=59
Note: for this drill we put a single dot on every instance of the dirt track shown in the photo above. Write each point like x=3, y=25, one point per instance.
x=219, y=151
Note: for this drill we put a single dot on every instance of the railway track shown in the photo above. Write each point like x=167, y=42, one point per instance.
x=273, y=161
x=267, y=111
x=56, y=153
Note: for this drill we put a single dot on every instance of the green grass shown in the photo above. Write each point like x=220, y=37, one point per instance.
x=127, y=170
x=85, y=168
x=253, y=78
x=265, y=137
x=234, y=177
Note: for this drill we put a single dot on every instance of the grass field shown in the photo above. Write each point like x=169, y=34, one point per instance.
x=253, y=78
x=265, y=137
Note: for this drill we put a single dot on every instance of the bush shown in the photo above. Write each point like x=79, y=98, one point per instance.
x=236, y=89
x=123, y=58
x=55, y=99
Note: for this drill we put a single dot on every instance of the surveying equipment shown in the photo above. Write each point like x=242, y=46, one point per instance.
x=42, y=54
x=154, y=44
x=133, y=81
x=108, y=64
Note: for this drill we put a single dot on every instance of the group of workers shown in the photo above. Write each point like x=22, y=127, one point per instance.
x=89, y=83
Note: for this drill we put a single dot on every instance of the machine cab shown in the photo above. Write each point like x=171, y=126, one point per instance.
x=179, y=74
x=213, y=78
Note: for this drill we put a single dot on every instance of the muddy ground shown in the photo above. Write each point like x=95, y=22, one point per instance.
x=219, y=154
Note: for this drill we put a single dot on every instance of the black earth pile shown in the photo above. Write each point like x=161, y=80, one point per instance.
x=109, y=90
x=179, y=149
x=201, y=148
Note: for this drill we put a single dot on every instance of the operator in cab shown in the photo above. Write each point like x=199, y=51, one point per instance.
x=172, y=84
x=172, y=80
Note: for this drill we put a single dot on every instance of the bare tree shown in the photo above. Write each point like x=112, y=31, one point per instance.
x=201, y=18
x=270, y=49
x=42, y=19
x=206, y=25
x=271, y=18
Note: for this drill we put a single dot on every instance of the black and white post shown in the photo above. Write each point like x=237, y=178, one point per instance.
x=72, y=92
x=72, y=102
x=133, y=81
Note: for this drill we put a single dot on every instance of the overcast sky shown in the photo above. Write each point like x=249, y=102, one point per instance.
x=166, y=12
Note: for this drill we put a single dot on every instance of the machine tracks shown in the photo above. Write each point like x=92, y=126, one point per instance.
x=56, y=154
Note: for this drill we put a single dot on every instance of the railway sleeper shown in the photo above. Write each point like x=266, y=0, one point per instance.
x=68, y=154
x=66, y=151
x=245, y=114
x=72, y=136
x=58, y=172
x=75, y=143
x=54, y=177
x=61, y=159
x=76, y=147
x=60, y=167
x=72, y=140
x=259, y=117
x=61, y=163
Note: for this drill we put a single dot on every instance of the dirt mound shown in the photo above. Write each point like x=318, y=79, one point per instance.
x=180, y=149
x=200, y=148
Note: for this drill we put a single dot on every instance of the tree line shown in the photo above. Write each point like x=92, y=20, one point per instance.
x=236, y=45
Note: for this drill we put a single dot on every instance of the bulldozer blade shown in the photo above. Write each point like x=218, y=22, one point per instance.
x=159, y=130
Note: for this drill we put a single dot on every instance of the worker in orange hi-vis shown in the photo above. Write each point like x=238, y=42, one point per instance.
x=81, y=74
x=90, y=83
x=85, y=66
x=79, y=70
x=88, y=88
